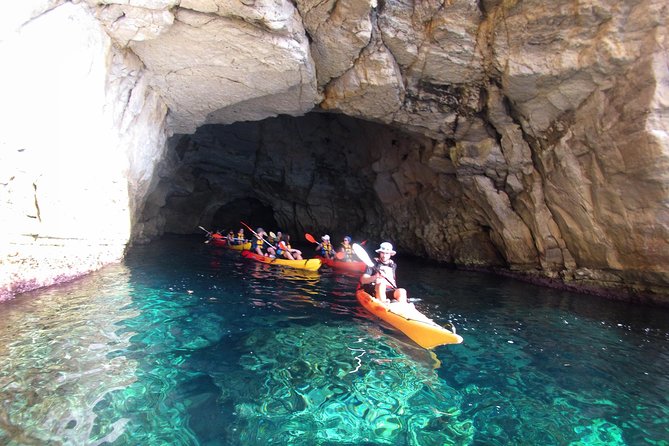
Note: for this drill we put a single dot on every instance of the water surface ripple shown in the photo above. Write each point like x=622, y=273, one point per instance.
x=188, y=344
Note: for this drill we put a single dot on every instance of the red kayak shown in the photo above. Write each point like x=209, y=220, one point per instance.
x=341, y=265
x=218, y=240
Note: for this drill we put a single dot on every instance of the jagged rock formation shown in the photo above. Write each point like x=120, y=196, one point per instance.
x=494, y=133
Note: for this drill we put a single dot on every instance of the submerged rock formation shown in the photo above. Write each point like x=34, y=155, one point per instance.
x=502, y=134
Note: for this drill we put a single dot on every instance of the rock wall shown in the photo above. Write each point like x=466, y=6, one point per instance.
x=498, y=133
x=81, y=132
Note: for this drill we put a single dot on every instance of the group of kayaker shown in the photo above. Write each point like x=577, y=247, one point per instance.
x=325, y=249
x=379, y=279
x=278, y=245
x=377, y=289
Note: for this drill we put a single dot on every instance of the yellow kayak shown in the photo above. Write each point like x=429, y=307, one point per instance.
x=306, y=264
x=219, y=240
x=421, y=329
x=241, y=247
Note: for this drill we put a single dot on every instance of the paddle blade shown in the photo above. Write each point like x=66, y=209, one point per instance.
x=362, y=254
x=310, y=238
x=340, y=255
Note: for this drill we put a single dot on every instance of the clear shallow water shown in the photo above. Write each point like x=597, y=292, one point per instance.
x=186, y=344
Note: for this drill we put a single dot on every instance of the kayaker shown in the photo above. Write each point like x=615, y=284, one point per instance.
x=240, y=237
x=231, y=237
x=347, y=249
x=282, y=250
x=259, y=246
x=379, y=279
x=325, y=247
x=297, y=254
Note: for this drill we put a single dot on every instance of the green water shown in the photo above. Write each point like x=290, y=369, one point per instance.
x=186, y=344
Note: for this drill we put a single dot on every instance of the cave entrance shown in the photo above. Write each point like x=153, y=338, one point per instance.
x=249, y=210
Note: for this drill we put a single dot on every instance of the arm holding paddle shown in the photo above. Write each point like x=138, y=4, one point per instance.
x=381, y=273
x=259, y=242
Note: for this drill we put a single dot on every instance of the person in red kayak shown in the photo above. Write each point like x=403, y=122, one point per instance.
x=324, y=248
x=347, y=249
x=379, y=279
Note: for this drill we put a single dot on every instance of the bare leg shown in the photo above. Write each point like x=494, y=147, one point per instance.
x=381, y=291
x=400, y=294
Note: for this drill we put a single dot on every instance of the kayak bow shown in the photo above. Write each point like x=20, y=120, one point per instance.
x=406, y=318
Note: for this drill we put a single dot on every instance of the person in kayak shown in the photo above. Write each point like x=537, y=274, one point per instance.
x=260, y=246
x=324, y=248
x=282, y=250
x=379, y=279
x=347, y=249
x=231, y=237
x=296, y=253
x=240, y=237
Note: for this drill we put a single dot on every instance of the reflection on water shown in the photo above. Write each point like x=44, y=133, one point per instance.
x=187, y=344
x=54, y=363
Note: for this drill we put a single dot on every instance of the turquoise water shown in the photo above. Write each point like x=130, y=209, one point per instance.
x=186, y=344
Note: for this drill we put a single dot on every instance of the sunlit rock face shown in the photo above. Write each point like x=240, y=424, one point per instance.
x=81, y=131
x=494, y=133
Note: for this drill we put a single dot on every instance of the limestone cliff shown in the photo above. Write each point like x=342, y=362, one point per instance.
x=514, y=134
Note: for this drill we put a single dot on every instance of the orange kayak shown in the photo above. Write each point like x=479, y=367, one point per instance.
x=340, y=265
x=307, y=264
x=421, y=329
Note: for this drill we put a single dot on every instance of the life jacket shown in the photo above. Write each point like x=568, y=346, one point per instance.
x=240, y=236
x=326, y=247
x=348, y=251
x=257, y=243
x=280, y=248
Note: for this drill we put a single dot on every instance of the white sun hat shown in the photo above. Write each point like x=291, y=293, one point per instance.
x=387, y=248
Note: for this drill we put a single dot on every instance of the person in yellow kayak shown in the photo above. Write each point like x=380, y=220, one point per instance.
x=296, y=253
x=324, y=248
x=282, y=250
x=379, y=279
x=231, y=237
x=260, y=246
x=239, y=239
x=347, y=250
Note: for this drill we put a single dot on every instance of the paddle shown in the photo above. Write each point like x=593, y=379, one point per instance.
x=362, y=255
x=310, y=238
x=208, y=234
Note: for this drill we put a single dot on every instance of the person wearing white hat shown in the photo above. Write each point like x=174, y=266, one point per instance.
x=324, y=248
x=379, y=279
